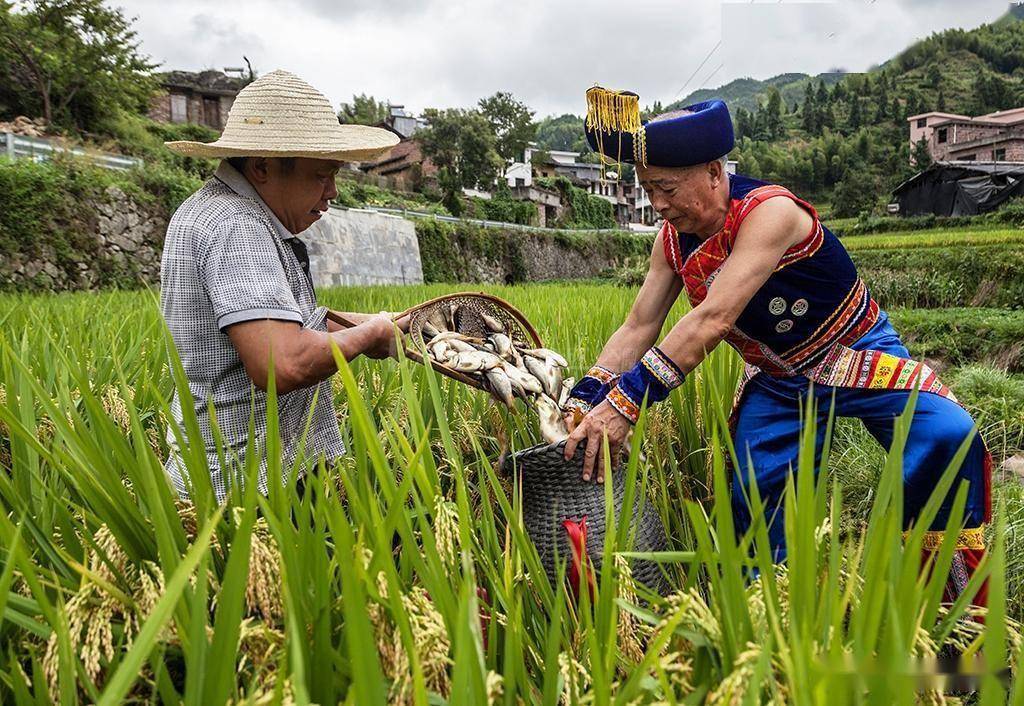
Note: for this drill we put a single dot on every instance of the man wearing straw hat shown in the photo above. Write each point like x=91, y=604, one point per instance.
x=236, y=287
x=763, y=274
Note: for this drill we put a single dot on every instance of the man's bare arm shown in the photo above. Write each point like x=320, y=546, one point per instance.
x=355, y=317
x=767, y=233
x=303, y=357
x=643, y=323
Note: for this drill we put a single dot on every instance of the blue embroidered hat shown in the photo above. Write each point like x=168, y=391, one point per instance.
x=614, y=130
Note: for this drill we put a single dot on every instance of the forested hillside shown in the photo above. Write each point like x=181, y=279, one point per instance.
x=842, y=138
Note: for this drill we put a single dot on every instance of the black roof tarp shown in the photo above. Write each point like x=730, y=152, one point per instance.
x=960, y=188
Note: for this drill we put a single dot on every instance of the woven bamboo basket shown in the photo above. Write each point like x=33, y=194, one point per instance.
x=468, y=320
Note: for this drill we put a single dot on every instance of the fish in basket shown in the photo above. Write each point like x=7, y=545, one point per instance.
x=485, y=342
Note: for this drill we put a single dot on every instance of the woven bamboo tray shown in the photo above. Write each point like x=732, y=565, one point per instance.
x=468, y=321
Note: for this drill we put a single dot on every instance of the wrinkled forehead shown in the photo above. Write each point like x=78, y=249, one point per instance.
x=663, y=176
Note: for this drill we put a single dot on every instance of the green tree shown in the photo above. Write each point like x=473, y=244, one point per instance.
x=774, y=126
x=563, y=132
x=744, y=123
x=363, y=110
x=809, y=120
x=856, y=119
x=652, y=111
x=921, y=156
x=821, y=96
x=462, y=146
x=856, y=192
x=75, y=62
x=991, y=93
x=512, y=123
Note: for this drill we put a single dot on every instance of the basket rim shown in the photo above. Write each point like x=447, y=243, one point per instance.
x=414, y=354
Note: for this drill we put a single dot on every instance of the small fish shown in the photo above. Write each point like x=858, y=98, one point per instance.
x=567, y=386
x=460, y=346
x=429, y=330
x=502, y=345
x=436, y=319
x=438, y=350
x=524, y=379
x=474, y=361
x=547, y=375
x=492, y=323
x=453, y=336
x=552, y=426
x=499, y=386
x=547, y=355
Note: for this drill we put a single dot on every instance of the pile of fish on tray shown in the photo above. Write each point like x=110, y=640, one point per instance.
x=503, y=367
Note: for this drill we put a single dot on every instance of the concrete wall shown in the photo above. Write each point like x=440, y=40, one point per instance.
x=353, y=247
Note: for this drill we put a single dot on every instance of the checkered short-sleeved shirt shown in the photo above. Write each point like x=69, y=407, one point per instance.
x=226, y=261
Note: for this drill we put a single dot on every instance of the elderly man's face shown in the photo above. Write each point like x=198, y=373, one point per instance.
x=297, y=193
x=690, y=198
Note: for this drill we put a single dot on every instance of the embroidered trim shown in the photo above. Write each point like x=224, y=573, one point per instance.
x=574, y=403
x=875, y=370
x=969, y=538
x=623, y=404
x=662, y=367
x=604, y=375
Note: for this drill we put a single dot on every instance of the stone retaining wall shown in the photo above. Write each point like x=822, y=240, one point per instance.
x=120, y=245
x=353, y=247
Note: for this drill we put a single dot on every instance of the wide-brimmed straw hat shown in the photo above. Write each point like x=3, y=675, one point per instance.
x=280, y=115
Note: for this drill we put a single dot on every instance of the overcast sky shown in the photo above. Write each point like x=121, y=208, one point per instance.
x=442, y=53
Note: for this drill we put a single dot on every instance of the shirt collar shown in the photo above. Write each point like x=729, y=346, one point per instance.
x=237, y=182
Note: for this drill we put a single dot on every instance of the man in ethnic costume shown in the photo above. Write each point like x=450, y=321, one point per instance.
x=765, y=275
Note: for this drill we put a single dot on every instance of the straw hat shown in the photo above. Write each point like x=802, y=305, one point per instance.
x=280, y=115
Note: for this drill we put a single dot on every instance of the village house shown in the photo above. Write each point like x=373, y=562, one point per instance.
x=995, y=137
x=592, y=177
x=404, y=166
x=203, y=97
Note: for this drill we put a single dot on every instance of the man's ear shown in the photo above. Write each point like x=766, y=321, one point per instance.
x=258, y=169
x=715, y=172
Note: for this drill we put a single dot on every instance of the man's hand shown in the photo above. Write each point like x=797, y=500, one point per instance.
x=602, y=421
x=381, y=332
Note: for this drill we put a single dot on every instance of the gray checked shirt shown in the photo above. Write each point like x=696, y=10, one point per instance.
x=225, y=261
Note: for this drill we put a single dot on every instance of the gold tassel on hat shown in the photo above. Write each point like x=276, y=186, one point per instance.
x=609, y=110
x=616, y=111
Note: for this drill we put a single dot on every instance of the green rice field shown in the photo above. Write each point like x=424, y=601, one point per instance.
x=404, y=574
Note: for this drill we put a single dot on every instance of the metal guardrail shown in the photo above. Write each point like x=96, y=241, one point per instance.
x=406, y=213
x=41, y=149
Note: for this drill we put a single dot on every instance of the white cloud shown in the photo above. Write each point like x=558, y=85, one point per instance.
x=438, y=54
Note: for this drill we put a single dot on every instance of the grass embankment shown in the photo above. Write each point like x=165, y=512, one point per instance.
x=372, y=588
x=960, y=336
x=957, y=275
x=450, y=251
x=938, y=238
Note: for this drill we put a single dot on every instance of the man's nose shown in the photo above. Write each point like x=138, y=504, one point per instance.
x=659, y=203
x=331, y=191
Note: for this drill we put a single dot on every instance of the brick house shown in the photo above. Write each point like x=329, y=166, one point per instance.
x=996, y=137
x=405, y=166
x=203, y=97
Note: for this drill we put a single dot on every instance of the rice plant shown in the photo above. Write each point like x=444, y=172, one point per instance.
x=938, y=238
x=404, y=573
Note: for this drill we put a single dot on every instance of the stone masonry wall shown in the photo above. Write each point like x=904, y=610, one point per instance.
x=353, y=247
x=123, y=242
